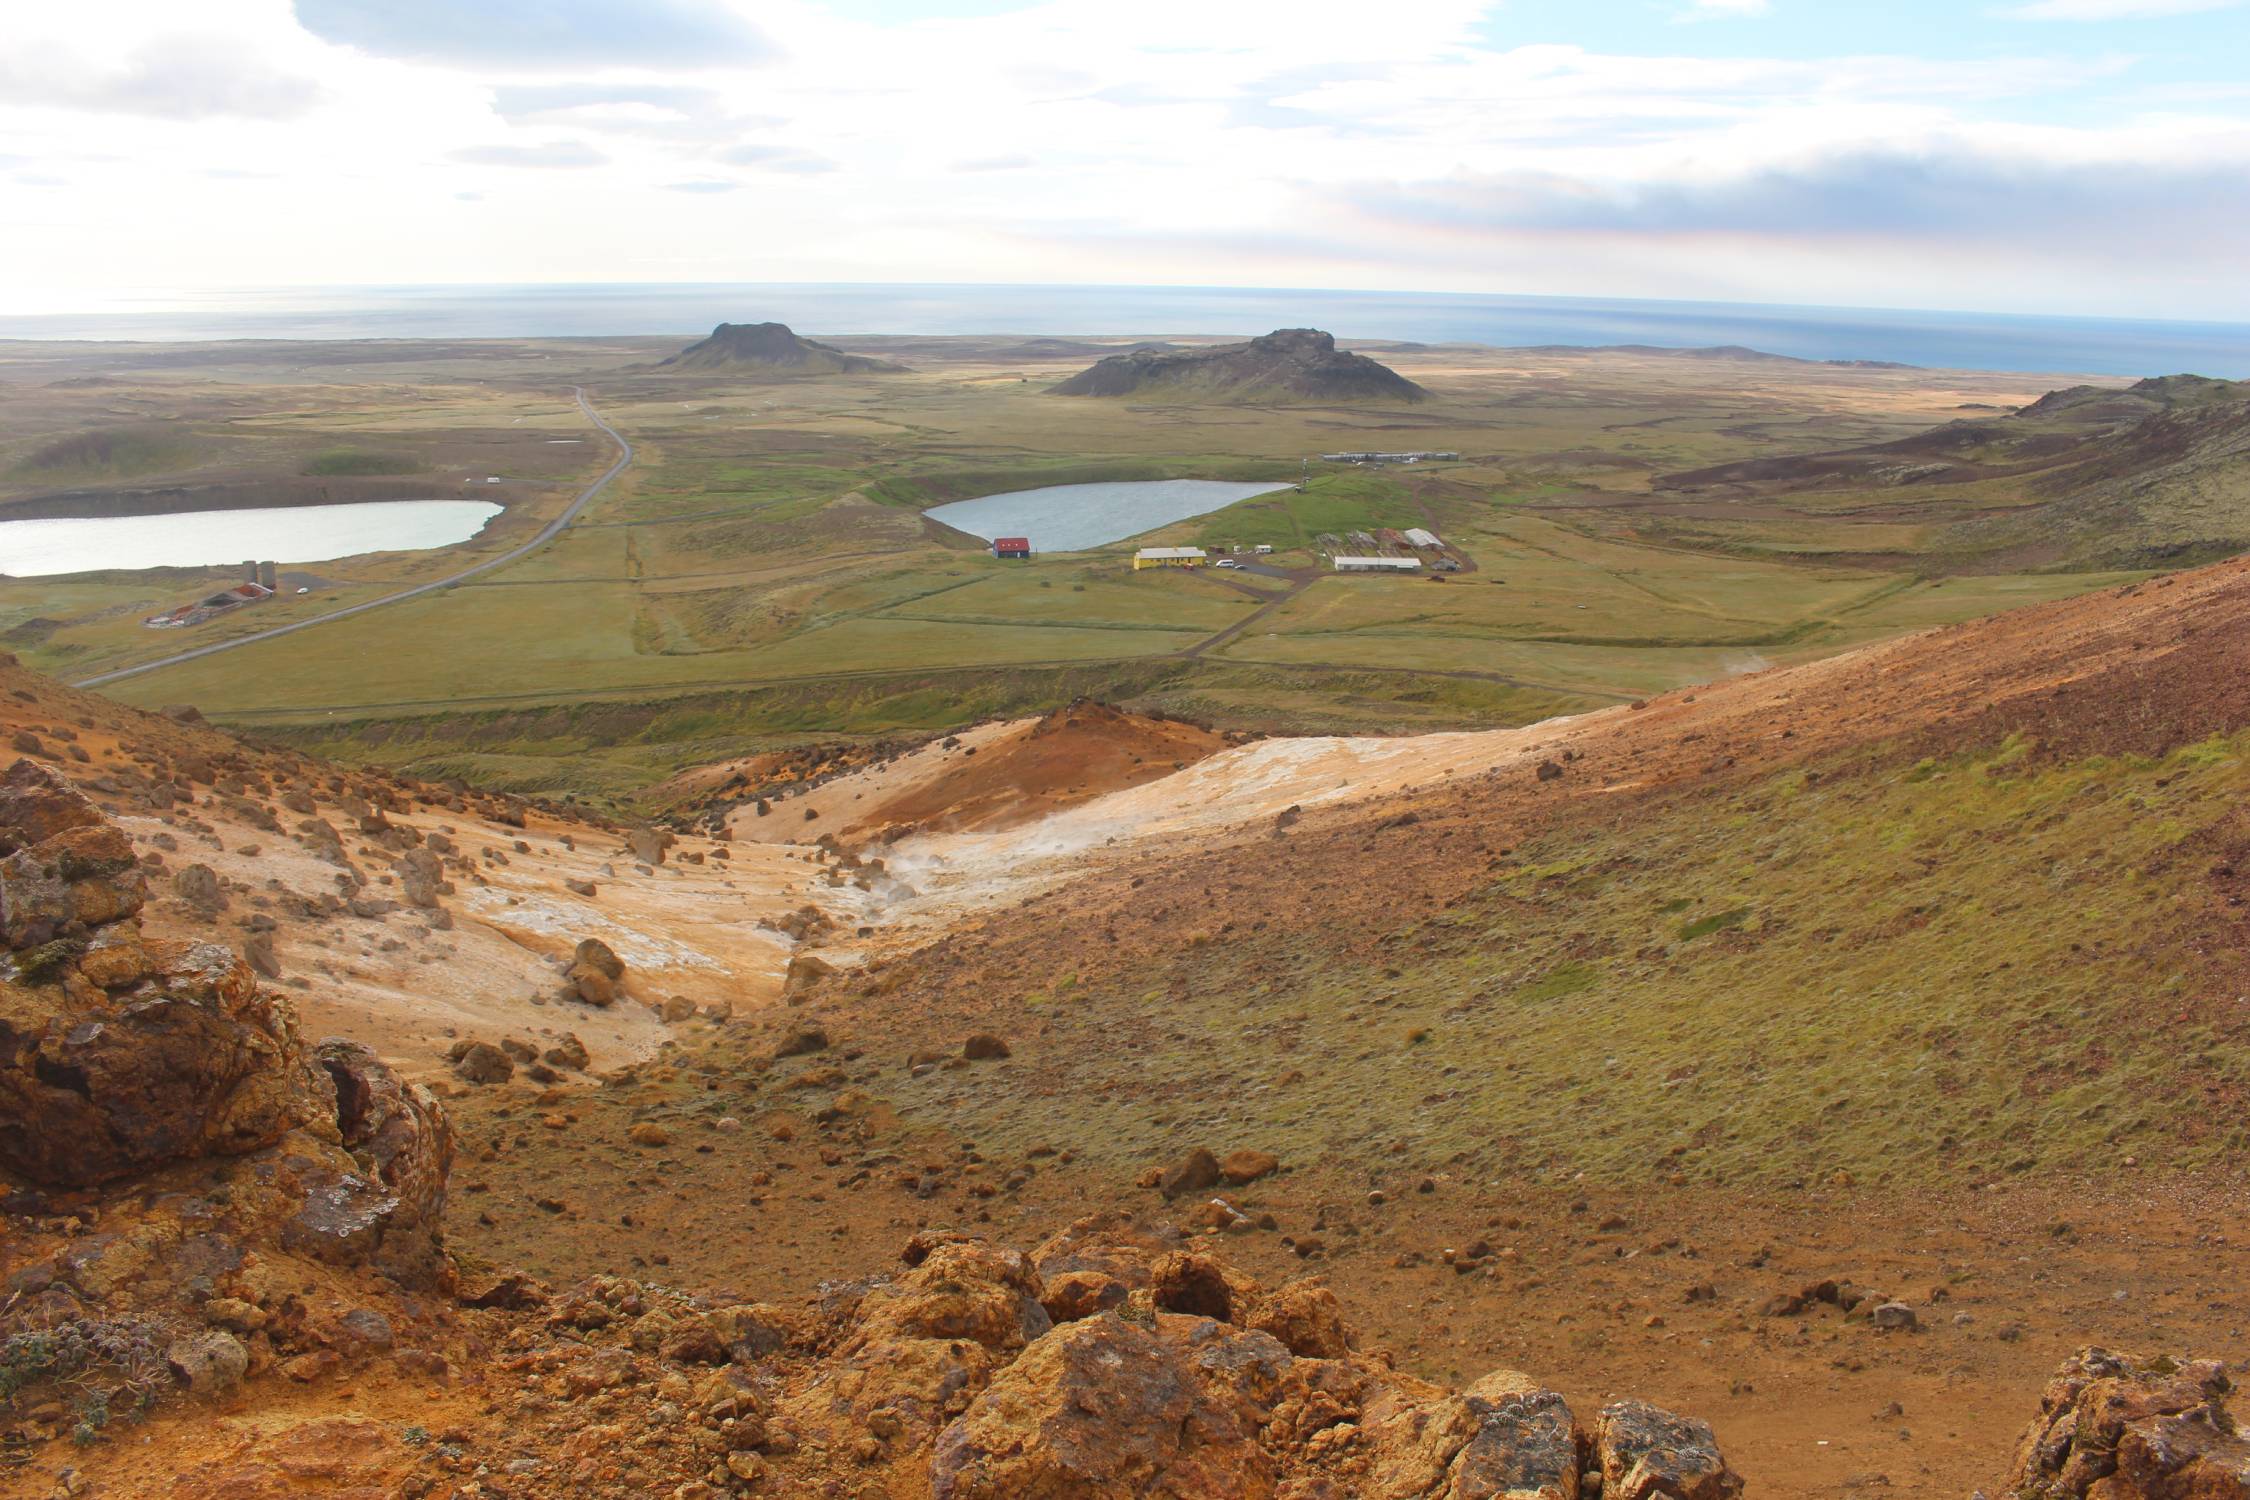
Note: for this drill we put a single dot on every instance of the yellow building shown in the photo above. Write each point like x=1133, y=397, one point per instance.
x=1168, y=557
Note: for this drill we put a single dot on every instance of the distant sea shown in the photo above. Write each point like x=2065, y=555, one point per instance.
x=1943, y=340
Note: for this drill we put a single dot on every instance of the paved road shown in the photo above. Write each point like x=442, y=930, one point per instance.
x=546, y=534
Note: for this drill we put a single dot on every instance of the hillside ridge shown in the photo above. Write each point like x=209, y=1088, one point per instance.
x=1289, y=364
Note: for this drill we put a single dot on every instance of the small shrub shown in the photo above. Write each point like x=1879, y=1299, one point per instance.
x=1705, y=926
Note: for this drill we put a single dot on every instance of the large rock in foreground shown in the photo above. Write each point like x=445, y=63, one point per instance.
x=121, y=1055
x=117, y=1054
x=1115, y=1363
x=188, y=1058
x=2111, y=1427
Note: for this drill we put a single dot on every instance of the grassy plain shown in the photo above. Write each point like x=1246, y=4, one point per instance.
x=769, y=541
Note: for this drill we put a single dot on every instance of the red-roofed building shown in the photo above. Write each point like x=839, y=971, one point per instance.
x=1011, y=546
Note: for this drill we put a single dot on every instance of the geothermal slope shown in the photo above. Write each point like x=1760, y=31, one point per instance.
x=899, y=1132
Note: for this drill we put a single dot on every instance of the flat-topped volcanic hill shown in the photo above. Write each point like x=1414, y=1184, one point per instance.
x=1289, y=364
x=773, y=346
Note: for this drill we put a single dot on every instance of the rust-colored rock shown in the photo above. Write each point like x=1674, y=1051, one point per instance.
x=1109, y=1408
x=1239, y=1168
x=963, y=1289
x=397, y=1129
x=193, y=1060
x=63, y=868
x=1308, y=1319
x=1645, y=1453
x=2111, y=1427
x=1192, y=1173
x=596, y=972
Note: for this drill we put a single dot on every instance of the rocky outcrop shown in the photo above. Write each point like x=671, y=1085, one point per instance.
x=981, y=1373
x=2112, y=1427
x=192, y=1193
x=64, y=870
x=184, y=1056
x=119, y=1054
x=396, y=1129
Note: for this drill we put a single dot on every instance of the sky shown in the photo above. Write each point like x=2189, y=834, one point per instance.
x=2060, y=156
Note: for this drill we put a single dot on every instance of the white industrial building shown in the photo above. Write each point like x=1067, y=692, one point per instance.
x=1419, y=537
x=1378, y=565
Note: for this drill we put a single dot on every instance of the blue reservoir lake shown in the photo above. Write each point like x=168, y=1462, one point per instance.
x=1074, y=517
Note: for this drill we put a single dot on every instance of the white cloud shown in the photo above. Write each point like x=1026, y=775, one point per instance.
x=521, y=34
x=1259, y=141
x=2113, y=10
x=177, y=77
x=547, y=154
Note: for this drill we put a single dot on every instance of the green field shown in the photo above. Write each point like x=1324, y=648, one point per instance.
x=769, y=544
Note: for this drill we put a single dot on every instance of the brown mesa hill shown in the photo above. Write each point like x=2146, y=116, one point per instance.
x=773, y=346
x=1289, y=364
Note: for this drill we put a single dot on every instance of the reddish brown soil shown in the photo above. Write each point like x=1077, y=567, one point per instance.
x=1072, y=755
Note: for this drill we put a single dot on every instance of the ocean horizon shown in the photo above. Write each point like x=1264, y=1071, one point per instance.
x=2023, y=342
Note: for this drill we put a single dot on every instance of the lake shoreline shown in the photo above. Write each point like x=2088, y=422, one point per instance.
x=181, y=499
x=1082, y=517
x=198, y=540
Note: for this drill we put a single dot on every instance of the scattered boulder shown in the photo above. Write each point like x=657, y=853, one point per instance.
x=1894, y=1315
x=596, y=972
x=421, y=877
x=1308, y=1319
x=1106, y=1407
x=258, y=953
x=648, y=844
x=209, y=1363
x=193, y=1060
x=481, y=1062
x=398, y=1131
x=1244, y=1166
x=36, y=804
x=1082, y=1294
x=63, y=867
x=984, y=1047
x=805, y=971
x=570, y=1053
x=801, y=1042
x=1193, y=1173
x=1645, y=1453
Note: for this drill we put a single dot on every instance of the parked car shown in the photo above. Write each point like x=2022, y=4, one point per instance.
x=1226, y=562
